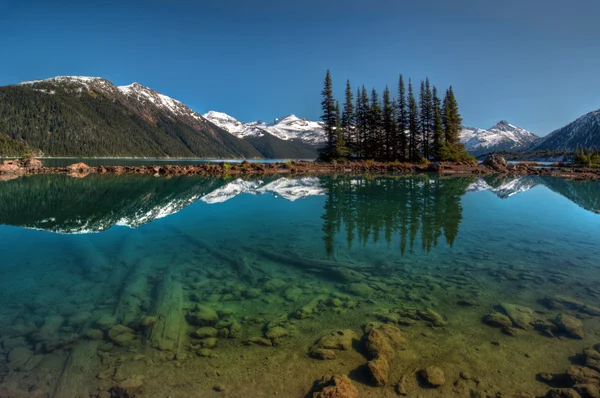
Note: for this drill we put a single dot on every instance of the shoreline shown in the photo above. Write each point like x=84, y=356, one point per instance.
x=19, y=168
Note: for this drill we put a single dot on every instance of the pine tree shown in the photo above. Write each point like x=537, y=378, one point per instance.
x=388, y=125
x=362, y=121
x=348, y=118
x=374, y=131
x=452, y=119
x=413, y=125
x=340, y=149
x=328, y=117
x=402, y=121
x=439, y=144
x=428, y=119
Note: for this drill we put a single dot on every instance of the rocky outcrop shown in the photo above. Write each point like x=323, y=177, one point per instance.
x=20, y=166
x=496, y=162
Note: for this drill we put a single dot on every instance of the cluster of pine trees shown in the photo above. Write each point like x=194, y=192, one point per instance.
x=388, y=129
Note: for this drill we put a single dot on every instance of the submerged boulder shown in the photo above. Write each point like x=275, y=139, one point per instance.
x=571, y=326
x=520, y=316
x=336, y=387
x=339, y=340
x=497, y=319
x=433, y=376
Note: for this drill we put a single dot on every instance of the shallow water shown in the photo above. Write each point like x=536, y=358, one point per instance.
x=282, y=262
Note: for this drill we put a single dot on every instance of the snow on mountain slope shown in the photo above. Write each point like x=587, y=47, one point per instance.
x=287, y=188
x=506, y=188
x=288, y=128
x=501, y=137
x=234, y=126
x=584, y=132
x=144, y=94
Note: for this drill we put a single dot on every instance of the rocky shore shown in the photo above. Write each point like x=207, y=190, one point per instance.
x=494, y=164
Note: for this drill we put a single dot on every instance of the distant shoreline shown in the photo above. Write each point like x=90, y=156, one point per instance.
x=308, y=168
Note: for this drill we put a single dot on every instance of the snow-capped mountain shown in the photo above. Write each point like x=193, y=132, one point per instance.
x=290, y=189
x=134, y=120
x=234, y=126
x=506, y=187
x=501, y=137
x=583, y=132
x=288, y=128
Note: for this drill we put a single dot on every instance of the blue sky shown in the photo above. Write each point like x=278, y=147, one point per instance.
x=534, y=63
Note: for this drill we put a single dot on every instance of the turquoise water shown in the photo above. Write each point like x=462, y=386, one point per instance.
x=184, y=286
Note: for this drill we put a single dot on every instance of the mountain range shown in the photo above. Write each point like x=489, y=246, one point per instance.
x=88, y=116
x=501, y=137
x=91, y=117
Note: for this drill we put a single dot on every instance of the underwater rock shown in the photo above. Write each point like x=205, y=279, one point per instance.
x=546, y=328
x=204, y=332
x=560, y=302
x=338, y=340
x=360, y=289
x=430, y=315
x=335, y=302
x=117, y=330
x=49, y=329
x=209, y=342
x=132, y=385
x=252, y=293
x=497, y=319
x=337, y=387
x=79, y=319
x=121, y=335
x=591, y=310
x=587, y=390
x=520, y=316
x=401, y=387
x=274, y=285
x=259, y=341
x=381, y=345
x=562, y=393
x=322, y=353
x=94, y=334
x=378, y=345
x=106, y=321
x=206, y=352
x=276, y=333
x=124, y=339
x=582, y=375
x=147, y=321
x=235, y=330
x=572, y=326
x=433, y=376
x=33, y=362
x=310, y=309
x=379, y=369
x=293, y=294
x=10, y=343
x=203, y=316
x=18, y=357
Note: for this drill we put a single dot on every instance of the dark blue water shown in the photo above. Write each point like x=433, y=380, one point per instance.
x=105, y=278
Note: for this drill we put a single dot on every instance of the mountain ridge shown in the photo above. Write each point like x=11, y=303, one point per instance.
x=90, y=116
x=503, y=136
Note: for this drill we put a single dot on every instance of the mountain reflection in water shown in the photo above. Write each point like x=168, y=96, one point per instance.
x=225, y=273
